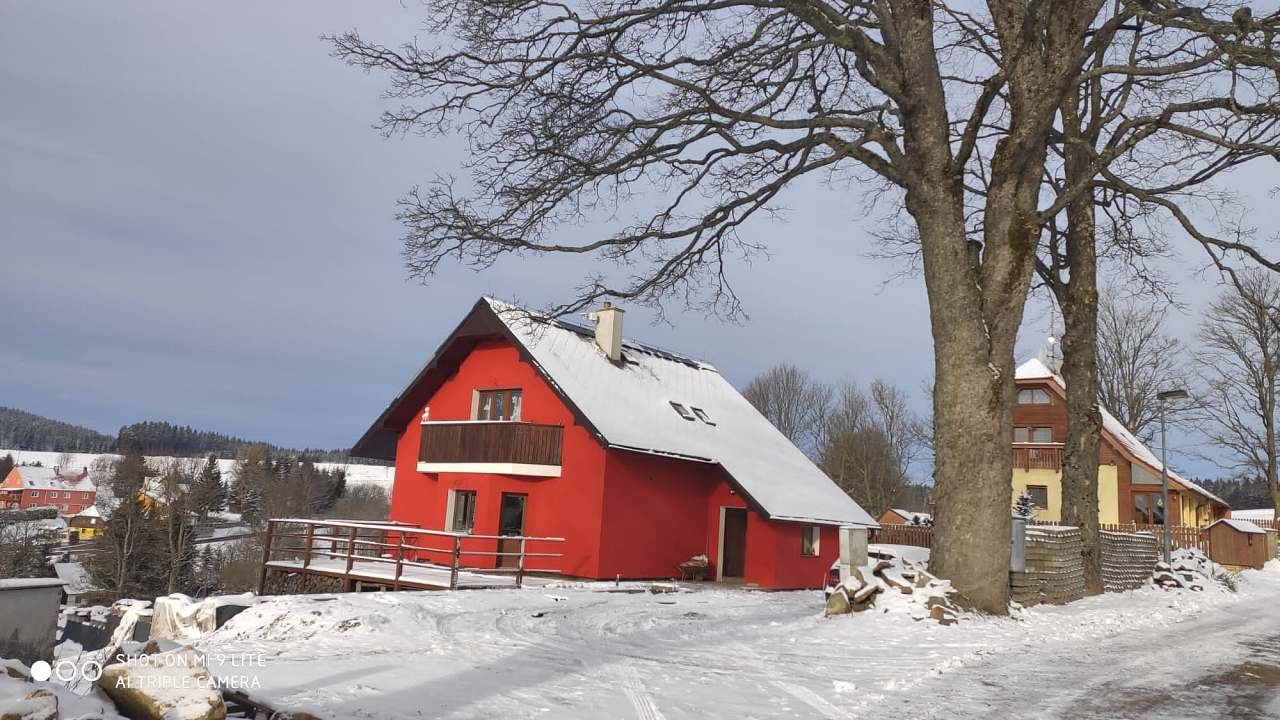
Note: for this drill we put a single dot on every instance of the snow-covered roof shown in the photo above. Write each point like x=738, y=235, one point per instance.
x=628, y=405
x=1254, y=514
x=912, y=516
x=75, y=576
x=1243, y=526
x=1034, y=369
x=31, y=477
x=89, y=512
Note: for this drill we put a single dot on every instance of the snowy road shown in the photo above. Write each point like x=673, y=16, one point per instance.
x=1222, y=664
x=584, y=652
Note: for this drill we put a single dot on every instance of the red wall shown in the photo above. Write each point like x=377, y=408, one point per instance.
x=620, y=512
x=568, y=506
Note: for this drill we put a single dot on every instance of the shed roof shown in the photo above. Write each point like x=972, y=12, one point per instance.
x=1243, y=526
x=628, y=406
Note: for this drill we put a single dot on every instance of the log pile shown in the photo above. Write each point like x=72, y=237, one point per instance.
x=1127, y=560
x=1054, y=571
x=885, y=574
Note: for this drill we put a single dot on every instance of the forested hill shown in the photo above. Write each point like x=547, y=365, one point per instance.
x=21, y=430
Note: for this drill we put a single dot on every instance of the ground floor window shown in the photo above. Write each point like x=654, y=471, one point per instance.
x=463, y=512
x=1148, y=508
x=1039, y=495
x=809, y=541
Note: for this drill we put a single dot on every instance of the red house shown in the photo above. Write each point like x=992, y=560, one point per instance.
x=29, y=486
x=638, y=457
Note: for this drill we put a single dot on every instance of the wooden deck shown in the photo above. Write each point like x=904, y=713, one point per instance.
x=403, y=557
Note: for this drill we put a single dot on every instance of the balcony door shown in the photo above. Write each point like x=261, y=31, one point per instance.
x=511, y=522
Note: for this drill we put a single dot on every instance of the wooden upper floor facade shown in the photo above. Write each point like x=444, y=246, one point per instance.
x=1130, y=486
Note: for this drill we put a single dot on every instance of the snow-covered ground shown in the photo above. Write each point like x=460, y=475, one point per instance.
x=587, y=651
x=356, y=474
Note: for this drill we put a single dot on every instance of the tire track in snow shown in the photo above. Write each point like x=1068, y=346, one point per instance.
x=638, y=694
x=816, y=702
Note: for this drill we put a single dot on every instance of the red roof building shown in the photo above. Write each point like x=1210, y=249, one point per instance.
x=28, y=486
x=638, y=457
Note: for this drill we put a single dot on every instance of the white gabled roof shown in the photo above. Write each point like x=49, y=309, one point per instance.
x=1254, y=514
x=35, y=477
x=1243, y=526
x=629, y=405
x=1034, y=369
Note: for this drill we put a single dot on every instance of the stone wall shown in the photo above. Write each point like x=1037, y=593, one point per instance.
x=1128, y=560
x=1055, y=570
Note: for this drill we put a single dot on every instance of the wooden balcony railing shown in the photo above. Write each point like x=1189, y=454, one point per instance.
x=1037, y=457
x=519, y=445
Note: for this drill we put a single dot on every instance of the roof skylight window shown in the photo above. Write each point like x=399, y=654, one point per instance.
x=682, y=410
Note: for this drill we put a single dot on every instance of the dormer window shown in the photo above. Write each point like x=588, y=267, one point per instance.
x=1033, y=396
x=683, y=411
x=703, y=416
x=498, y=405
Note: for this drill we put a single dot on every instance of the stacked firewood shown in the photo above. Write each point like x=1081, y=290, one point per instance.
x=885, y=574
x=1179, y=575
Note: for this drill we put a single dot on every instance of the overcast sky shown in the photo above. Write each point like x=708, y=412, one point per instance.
x=196, y=225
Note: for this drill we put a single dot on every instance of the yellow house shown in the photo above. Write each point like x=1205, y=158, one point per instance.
x=1129, y=474
x=86, y=524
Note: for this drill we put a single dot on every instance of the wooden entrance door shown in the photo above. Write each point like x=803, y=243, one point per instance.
x=733, y=543
x=511, y=522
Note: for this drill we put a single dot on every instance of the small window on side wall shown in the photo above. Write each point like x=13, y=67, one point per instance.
x=464, y=511
x=809, y=540
x=1039, y=495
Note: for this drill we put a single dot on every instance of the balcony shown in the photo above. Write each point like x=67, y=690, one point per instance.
x=503, y=447
x=1035, y=456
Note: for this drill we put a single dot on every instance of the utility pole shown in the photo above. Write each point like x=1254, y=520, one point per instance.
x=1163, y=397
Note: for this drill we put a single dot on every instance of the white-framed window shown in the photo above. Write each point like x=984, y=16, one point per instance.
x=35, y=493
x=810, y=538
x=1033, y=396
x=503, y=404
x=462, y=511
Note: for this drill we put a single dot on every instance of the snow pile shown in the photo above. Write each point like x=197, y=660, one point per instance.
x=892, y=583
x=1192, y=570
x=178, y=617
x=23, y=698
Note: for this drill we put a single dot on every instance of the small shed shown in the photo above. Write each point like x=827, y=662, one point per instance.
x=1240, y=544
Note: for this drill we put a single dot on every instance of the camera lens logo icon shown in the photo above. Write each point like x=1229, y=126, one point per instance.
x=66, y=671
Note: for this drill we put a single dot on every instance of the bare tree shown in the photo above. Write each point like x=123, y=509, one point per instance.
x=696, y=116
x=1136, y=359
x=793, y=401
x=871, y=439
x=1239, y=366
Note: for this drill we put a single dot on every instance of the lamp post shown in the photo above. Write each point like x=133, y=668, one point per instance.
x=1164, y=396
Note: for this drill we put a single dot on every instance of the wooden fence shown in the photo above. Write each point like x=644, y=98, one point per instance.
x=922, y=536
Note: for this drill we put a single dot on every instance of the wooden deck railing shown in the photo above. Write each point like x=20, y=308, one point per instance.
x=1037, y=457
x=490, y=442
x=303, y=542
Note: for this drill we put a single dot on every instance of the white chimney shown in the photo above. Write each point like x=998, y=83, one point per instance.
x=608, y=320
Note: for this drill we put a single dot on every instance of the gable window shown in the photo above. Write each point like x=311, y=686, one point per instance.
x=1039, y=495
x=703, y=416
x=809, y=539
x=462, y=510
x=1033, y=435
x=498, y=404
x=1033, y=396
x=683, y=411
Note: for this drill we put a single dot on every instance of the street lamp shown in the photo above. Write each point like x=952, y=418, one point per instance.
x=1164, y=396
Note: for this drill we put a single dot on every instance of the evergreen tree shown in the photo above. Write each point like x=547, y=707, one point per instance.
x=6, y=464
x=208, y=493
x=1025, y=507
